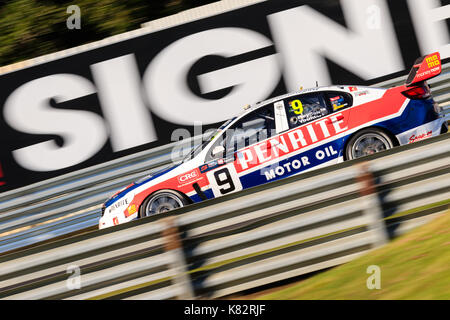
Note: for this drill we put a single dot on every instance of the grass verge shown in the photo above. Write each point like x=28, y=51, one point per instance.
x=414, y=266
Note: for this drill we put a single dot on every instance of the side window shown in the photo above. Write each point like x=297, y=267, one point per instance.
x=338, y=100
x=304, y=108
x=252, y=128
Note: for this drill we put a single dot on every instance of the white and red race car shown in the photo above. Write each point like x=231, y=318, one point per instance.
x=285, y=136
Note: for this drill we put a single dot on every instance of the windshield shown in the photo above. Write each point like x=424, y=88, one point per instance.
x=196, y=150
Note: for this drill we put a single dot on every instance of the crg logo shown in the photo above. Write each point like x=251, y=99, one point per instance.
x=188, y=176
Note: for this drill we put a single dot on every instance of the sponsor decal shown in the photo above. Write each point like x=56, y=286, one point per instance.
x=115, y=221
x=428, y=68
x=188, y=177
x=289, y=142
x=352, y=89
x=309, y=90
x=295, y=164
x=303, y=118
x=427, y=73
x=321, y=155
x=338, y=102
x=336, y=106
x=361, y=93
x=213, y=164
x=130, y=210
x=433, y=61
x=118, y=204
x=415, y=138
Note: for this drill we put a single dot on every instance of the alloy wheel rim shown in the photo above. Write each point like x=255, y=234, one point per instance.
x=369, y=144
x=162, y=202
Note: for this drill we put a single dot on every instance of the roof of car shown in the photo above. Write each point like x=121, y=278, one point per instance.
x=344, y=88
x=315, y=89
x=251, y=107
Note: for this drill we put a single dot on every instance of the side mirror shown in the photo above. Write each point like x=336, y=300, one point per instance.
x=218, y=150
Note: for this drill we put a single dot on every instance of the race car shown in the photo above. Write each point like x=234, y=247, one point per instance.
x=286, y=136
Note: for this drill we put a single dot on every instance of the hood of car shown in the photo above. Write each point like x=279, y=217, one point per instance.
x=155, y=173
x=150, y=176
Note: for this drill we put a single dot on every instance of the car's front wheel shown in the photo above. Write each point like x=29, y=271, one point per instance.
x=162, y=201
x=367, y=142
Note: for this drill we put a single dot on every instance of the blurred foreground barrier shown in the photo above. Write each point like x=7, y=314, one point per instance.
x=72, y=202
x=277, y=231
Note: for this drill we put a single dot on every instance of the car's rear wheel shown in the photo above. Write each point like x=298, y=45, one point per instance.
x=367, y=142
x=162, y=201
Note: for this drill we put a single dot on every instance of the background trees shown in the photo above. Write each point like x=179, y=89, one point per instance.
x=30, y=28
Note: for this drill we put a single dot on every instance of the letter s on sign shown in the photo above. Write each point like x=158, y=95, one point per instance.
x=32, y=100
x=166, y=85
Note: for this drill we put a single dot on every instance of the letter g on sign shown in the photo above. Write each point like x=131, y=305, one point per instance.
x=167, y=89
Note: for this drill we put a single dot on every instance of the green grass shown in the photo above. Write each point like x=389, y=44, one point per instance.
x=414, y=266
x=419, y=209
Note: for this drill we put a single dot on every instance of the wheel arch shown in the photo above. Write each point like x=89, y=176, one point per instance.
x=166, y=189
x=382, y=128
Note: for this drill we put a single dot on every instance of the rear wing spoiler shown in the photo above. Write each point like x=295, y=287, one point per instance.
x=424, y=68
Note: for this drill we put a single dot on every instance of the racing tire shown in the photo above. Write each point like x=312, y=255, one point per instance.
x=162, y=201
x=367, y=142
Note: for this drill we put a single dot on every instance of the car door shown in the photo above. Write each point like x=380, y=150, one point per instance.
x=339, y=103
x=224, y=173
x=317, y=117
